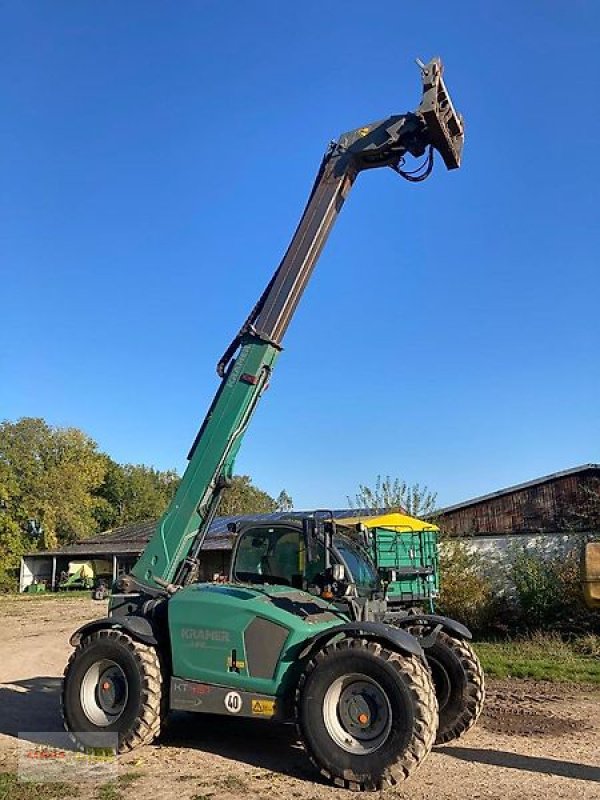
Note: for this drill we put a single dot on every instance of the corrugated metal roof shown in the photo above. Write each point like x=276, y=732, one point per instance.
x=131, y=539
x=519, y=487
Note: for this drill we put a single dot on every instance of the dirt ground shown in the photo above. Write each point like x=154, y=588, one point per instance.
x=535, y=740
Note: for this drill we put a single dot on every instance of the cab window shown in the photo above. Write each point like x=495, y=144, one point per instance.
x=270, y=555
x=363, y=572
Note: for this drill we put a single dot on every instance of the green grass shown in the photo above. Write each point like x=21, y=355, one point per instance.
x=113, y=790
x=13, y=789
x=109, y=791
x=543, y=657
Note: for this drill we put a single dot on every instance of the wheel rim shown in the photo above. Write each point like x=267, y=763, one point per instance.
x=441, y=682
x=104, y=692
x=357, y=714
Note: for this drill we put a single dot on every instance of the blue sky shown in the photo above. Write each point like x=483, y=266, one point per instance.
x=155, y=159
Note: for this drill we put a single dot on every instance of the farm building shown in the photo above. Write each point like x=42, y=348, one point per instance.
x=122, y=546
x=547, y=511
x=560, y=503
x=551, y=515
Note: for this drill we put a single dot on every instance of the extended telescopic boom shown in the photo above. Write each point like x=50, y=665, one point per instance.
x=171, y=555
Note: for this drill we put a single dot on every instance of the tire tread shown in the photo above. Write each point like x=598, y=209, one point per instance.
x=147, y=725
x=425, y=708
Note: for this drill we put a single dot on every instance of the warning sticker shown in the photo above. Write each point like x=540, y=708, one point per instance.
x=263, y=707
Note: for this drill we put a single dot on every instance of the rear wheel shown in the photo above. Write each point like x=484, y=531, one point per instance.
x=367, y=716
x=112, y=684
x=459, y=685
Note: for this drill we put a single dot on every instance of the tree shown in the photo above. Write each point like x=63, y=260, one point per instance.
x=56, y=488
x=48, y=478
x=395, y=495
x=244, y=498
x=133, y=492
x=284, y=501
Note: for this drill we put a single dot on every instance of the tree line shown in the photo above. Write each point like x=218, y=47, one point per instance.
x=57, y=487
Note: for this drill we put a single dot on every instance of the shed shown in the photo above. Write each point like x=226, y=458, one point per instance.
x=122, y=546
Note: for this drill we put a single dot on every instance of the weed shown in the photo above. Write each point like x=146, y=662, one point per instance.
x=234, y=783
x=11, y=788
x=128, y=778
x=109, y=791
x=588, y=645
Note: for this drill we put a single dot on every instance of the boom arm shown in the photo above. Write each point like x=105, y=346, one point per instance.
x=170, y=556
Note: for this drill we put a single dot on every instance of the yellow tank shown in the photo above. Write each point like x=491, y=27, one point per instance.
x=590, y=574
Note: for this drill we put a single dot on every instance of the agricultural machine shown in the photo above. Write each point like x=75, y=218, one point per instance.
x=85, y=575
x=359, y=690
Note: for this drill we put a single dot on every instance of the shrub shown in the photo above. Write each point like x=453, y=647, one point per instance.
x=588, y=645
x=537, y=586
x=9, y=581
x=465, y=594
x=548, y=590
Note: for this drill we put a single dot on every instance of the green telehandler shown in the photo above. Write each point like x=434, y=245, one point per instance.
x=360, y=692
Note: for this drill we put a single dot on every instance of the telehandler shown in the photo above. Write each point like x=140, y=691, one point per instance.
x=359, y=692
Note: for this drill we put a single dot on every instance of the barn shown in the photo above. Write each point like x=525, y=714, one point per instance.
x=560, y=503
x=551, y=515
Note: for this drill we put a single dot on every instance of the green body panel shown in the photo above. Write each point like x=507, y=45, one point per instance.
x=207, y=623
x=409, y=551
x=214, y=455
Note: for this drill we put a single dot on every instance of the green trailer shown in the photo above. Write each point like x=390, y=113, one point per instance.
x=405, y=551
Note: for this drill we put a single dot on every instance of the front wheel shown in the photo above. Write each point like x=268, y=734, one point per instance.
x=112, y=685
x=367, y=716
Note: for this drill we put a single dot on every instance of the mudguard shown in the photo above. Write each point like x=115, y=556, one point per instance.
x=433, y=620
x=139, y=627
x=394, y=637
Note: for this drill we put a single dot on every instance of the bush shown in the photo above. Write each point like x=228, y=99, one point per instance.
x=548, y=590
x=9, y=581
x=532, y=590
x=465, y=594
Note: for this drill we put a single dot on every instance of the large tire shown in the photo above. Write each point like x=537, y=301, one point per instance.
x=459, y=685
x=113, y=684
x=366, y=716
